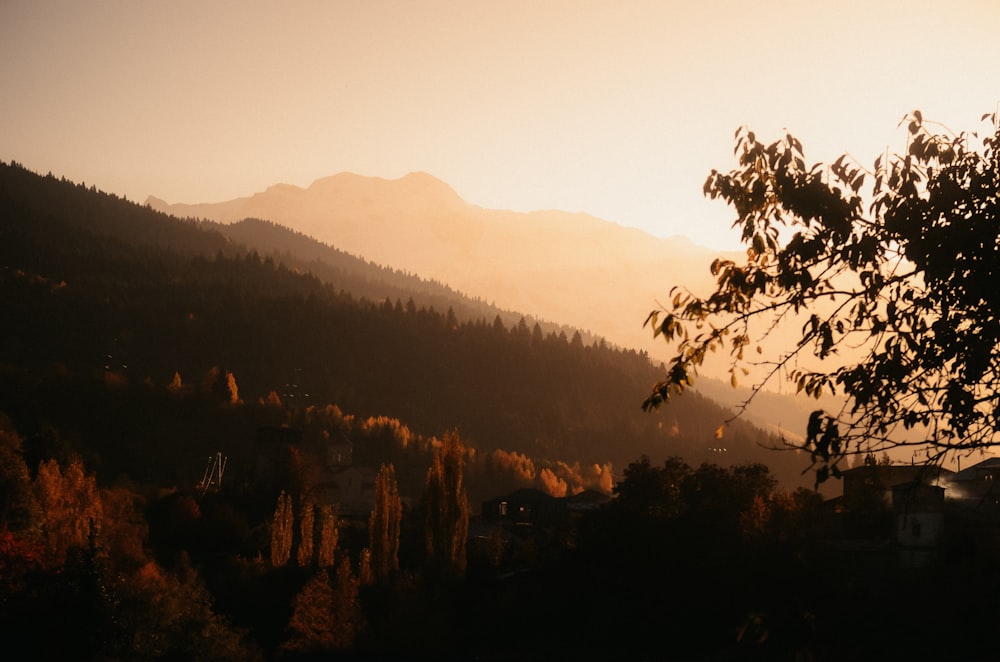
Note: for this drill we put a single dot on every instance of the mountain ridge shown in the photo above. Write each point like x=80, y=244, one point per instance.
x=569, y=267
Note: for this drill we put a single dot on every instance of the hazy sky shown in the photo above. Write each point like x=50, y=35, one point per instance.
x=618, y=108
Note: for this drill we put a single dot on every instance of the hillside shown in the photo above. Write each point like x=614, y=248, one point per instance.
x=364, y=279
x=571, y=268
x=95, y=284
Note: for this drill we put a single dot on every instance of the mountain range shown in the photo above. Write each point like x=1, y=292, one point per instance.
x=114, y=310
x=570, y=268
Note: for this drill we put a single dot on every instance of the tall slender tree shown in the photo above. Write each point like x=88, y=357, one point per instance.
x=281, y=531
x=447, y=508
x=384, y=524
x=307, y=520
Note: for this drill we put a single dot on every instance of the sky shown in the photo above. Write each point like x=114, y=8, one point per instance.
x=616, y=108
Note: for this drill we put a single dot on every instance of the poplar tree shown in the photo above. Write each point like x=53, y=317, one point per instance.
x=447, y=504
x=384, y=524
x=281, y=531
x=329, y=536
x=307, y=521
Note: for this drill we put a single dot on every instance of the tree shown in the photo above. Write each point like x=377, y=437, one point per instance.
x=326, y=614
x=447, y=508
x=18, y=506
x=347, y=615
x=329, y=536
x=384, y=524
x=894, y=291
x=281, y=531
x=650, y=490
x=307, y=521
x=71, y=507
x=312, y=622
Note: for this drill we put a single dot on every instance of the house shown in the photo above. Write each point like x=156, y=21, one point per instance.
x=910, y=515
x=919, y=517
x=321, y=467
x=526, y=507
x=979, y=482
x=351, y=488
x=877, y=480
x=529, y=507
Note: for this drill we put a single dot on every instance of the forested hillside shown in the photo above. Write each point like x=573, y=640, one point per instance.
x=363, y=279
x=94, y=284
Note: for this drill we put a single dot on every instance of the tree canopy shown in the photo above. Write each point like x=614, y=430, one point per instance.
x=890, y=274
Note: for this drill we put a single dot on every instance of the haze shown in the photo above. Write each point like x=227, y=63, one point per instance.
x=617, y=109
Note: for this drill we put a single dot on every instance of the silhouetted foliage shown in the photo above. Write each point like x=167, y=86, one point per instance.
x=894, y=291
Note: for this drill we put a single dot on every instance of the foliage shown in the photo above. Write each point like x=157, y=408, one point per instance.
x=282, y=528
x=313, y=621
x=447, y=508
x=307, y=523
x=70, y=505
x=18, y=506
x=384, y=524
x=329, y=535
x=898, y=297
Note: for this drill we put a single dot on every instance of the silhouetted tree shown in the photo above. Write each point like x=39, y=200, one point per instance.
x=896, y=289
x=652, y=490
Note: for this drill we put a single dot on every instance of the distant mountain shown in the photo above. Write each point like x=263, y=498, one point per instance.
x=571, y=268
x=364, y=279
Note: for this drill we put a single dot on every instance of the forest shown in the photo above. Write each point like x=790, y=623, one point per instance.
x=135, y=345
